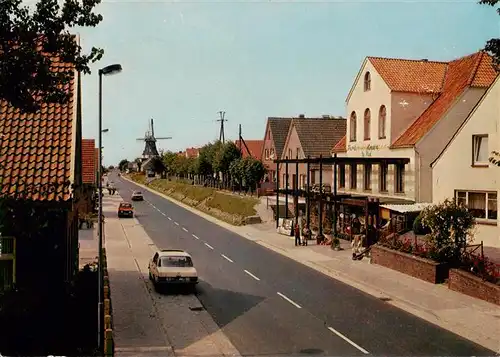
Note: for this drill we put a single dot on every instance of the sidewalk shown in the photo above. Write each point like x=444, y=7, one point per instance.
x=458, y=313
x=145, y=322
x=88, y=246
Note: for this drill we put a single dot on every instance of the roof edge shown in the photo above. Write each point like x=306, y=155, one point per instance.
x=356, y=79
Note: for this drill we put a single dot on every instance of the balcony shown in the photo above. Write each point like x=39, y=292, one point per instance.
x=7, y=248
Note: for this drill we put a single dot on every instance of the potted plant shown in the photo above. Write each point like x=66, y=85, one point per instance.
x=336, y=243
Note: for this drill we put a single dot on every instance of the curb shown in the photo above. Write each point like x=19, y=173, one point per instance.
x=108, y=309
x=392, y=300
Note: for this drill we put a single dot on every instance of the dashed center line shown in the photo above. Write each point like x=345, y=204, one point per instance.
x=227, y=258
x=209, y=246
x=176, y=223
x=348, y=340
x=195, y=236
x=253, y=276
x=290, y=301
x=184, y=229
x=163, y=213
x=169, y=218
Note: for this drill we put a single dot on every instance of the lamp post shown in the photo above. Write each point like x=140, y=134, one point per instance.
x=106, y=71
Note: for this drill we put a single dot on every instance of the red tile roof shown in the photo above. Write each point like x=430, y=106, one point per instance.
x=192, y=152
x=89, y=158
x=475, y=70
x=318, y=135
x=413, y=76
x=255, y=147
x=35, y=149
x=341, y=146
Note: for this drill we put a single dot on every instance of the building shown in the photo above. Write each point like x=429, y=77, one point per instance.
x=274, y=142
x=192, y=153
x=409, y=109
x=89, y=175
x=310, y=137
x=462, y=170
x=251, y=148
x=41, y=180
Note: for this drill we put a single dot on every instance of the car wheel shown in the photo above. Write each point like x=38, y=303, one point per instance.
x=193, y=289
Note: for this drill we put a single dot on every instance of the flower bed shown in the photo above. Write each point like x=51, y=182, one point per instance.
x=469, y=284
x=418, y=267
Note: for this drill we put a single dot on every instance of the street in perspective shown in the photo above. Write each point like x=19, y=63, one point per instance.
x=249, y=178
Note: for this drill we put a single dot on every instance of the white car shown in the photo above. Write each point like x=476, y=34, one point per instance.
x=137, y=196
x=172, y=267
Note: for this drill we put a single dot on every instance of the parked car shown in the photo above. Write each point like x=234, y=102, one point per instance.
x=172, y=267
x=137, y=196
x=125, y=209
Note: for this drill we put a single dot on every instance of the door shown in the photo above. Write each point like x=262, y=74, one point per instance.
x=294, y=181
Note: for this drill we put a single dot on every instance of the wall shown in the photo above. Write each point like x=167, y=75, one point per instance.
x=453, y=169
x=268, y=145
x=405, y=109
x=293, y=143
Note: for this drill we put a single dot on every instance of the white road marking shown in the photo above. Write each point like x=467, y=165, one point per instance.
x=184, y=229
x=290, y=301
x=253, y=276
x=195, y=236
x=227, y=258
x=169, y=218
x=176, y=223
x=348, y=340
x=209, y=246
x=163, y=214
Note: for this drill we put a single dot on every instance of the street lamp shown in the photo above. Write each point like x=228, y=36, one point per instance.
x=106, y=71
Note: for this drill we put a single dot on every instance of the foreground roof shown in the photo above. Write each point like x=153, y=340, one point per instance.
x=36, y=148
x=279, y=129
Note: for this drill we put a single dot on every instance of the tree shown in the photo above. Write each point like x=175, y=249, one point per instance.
x=32, y=40
x=157, y=165
x=451, y=227
x=226, y=154
x=493, y=45
x=205, y=160
x=123, y=165
x=138, y=161
x=253, y=171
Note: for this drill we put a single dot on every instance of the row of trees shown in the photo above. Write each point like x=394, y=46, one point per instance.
x=218, y=163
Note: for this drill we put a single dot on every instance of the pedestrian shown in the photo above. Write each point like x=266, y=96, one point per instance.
x=297, y=235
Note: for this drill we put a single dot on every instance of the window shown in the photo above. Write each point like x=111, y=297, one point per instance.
x=368, y=177
x=480, y=150
x=297, y=152
x=382, y=113
x=368, y=82
x=399, y=178
x=383, y=168
x=341, y=176
x=352, y=127
x=482, y=205
x=290, y=153
x=266, y=153
x=367, y=118
x=354, y=176
x=271, y=154
x=178, y=262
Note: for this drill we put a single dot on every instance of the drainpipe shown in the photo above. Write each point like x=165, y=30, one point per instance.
x=418, y=167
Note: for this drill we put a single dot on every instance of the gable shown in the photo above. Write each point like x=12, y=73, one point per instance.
x=292, y=142
x=279, y=129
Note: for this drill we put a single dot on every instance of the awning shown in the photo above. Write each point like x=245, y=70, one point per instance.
x=406, y=208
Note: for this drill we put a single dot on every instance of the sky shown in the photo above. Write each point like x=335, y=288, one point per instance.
x=184, y=61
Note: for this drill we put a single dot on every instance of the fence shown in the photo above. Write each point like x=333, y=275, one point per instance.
x=108, y=309
x=7, y=263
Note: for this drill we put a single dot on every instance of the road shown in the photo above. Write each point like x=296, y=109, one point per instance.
x=270, y=305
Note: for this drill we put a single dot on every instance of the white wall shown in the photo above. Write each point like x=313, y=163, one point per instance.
x=453, y=170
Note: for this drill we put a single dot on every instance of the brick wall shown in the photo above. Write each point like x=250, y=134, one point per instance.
x=417, y=267
x=469, y=284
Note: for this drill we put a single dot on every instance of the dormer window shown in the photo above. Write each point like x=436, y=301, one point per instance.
x=367, y=118
x=352, y=127
x=368, y=82
x=382, y=113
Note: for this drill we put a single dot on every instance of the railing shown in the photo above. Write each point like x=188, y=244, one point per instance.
x=7, y=263
x=7, y=246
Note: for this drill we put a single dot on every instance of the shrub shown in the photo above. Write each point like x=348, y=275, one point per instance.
x=418, y=227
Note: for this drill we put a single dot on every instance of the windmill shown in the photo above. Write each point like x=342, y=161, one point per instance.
x=150, y=140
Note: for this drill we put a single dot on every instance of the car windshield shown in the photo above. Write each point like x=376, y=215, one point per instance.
x=125, y=205
x=137, y=192
x=176, y=261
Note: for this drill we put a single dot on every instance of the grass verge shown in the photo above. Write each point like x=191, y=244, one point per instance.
x=227, y=207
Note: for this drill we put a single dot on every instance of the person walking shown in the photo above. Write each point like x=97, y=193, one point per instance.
x=297, y=235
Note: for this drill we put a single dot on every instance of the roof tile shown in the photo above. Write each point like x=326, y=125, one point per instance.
x=279, y=129
x=341, y=146
x=318, y=135
x=35, y=149
x=463, y=72
x=255, y=147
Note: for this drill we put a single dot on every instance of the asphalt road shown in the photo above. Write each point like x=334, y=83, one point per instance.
x=270, y=305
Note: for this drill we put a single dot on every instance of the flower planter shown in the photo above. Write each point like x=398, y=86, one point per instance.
x=417, y=267
x=469, y=284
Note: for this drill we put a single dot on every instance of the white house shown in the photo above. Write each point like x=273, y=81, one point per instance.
x=462, y=170
x=408, y=109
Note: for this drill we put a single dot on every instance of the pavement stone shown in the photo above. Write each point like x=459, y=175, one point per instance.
x=147, y=323
x=458, y=313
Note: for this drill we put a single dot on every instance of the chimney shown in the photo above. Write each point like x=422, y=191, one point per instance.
x=424, y=60
x=326, y=116
x=302, y=115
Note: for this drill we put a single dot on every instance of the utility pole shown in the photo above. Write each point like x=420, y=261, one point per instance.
x=222, y=119
x=240, y=138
